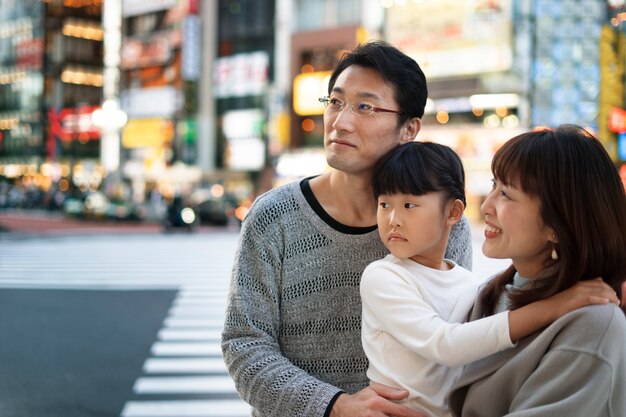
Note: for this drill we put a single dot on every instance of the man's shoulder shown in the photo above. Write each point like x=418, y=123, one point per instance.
x=461, y=230
x=460, y=244
x=276, y=203
x=282, y=195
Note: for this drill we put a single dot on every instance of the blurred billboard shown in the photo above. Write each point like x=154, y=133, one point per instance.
x=451, y=38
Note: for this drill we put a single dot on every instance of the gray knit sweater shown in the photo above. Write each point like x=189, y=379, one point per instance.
x=292, y=335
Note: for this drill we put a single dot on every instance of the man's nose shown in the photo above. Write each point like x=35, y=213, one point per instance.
x=344, y=118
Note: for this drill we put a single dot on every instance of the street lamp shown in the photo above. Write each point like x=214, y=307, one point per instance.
x=110, y=118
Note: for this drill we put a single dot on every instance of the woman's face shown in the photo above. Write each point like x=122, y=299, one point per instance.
x=514, y=229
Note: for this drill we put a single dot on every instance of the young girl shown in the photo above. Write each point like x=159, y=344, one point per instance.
x=415, y=301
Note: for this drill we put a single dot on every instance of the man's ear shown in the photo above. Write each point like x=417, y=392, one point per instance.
x=455, y=212
x=410, y=129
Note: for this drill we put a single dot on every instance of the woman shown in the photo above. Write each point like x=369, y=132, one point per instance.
x=558, y=210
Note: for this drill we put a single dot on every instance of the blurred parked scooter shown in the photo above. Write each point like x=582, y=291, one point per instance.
x=179, y=216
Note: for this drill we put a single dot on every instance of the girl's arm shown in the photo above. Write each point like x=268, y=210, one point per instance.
x=535, y=316
x=393, y=304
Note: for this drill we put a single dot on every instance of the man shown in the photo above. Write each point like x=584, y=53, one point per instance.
x=291, y=339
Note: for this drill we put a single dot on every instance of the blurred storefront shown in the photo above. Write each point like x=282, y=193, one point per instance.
x=50, y=84
x=477, y=79
x=242, y=79
x=225, y=91
x=612, y=51
x=160, y=71
x=495, y=68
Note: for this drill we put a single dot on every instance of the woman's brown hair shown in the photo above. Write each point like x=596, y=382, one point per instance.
x=581, y=198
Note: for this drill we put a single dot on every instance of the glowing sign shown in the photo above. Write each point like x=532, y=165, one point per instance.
x=307, y=89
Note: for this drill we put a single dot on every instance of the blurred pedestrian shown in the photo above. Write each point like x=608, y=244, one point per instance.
x=558, y=211
x=292, y=339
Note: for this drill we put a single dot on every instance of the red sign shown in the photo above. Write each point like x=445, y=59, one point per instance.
x=73, y=123
x=617, y=120
x=194, y=7
x=29, y=53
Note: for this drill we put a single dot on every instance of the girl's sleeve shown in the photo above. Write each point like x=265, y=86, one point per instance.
x=400, y=310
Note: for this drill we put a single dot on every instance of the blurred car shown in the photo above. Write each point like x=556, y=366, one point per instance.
x=95, y=205
x=213, y=205
x=179, y=216
x=242, y=210
x=125, y=210
x=73, y=207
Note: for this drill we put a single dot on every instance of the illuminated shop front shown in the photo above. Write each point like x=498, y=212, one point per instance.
x=242, y=88
x=50, y=83
x=160, y=69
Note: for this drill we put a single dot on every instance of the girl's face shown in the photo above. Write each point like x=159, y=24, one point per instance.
x=414, y=227
x=514, y=229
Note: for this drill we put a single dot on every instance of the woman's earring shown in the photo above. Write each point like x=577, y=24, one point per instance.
x=554, y=255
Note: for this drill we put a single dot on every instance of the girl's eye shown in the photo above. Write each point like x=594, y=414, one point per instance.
x=409, y=205
x=384, y=205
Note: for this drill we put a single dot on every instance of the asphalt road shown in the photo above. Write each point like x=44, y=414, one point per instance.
x=74, y=352
x=115, y=324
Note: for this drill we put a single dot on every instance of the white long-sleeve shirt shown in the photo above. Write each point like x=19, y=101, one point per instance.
x=413, y=329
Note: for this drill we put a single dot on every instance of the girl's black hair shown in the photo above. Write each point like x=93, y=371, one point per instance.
x=418, y=168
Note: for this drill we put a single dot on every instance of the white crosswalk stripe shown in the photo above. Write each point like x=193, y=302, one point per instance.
x=192, y=408
x=184, y=375
x=188, y=343
x=186, y=365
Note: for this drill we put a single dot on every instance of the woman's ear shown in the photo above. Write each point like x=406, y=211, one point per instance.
x=455, y=212
x=553, y=238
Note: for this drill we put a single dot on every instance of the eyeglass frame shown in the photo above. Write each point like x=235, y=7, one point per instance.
x=325, y=100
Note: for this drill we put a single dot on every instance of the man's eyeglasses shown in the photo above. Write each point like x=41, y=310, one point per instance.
x=360, y=109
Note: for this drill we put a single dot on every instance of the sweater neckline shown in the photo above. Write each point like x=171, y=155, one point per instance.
x=315, y=205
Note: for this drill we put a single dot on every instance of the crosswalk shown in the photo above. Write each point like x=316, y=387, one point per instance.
x=184, y=375
x=186, y=360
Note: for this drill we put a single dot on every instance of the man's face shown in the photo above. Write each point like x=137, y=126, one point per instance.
x=354, y=143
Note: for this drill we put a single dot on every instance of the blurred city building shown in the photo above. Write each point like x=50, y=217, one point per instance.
x=168, y=97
